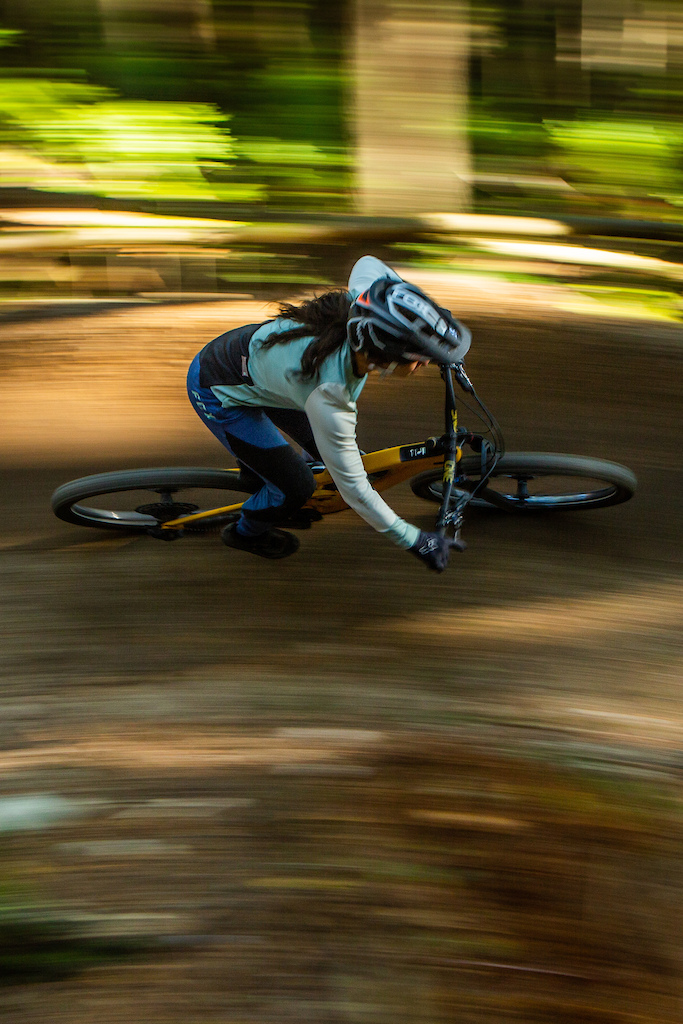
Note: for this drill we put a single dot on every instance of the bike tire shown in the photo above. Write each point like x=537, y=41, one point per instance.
x=508, y=486
x=69, y=502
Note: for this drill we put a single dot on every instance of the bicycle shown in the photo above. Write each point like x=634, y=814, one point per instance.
x=438, y=469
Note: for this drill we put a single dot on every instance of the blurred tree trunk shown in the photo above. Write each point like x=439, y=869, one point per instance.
x=188, y=23
x=409, y=106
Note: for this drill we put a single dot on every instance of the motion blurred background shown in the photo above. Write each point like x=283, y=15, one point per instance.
x=341, y=790
x=151, y=149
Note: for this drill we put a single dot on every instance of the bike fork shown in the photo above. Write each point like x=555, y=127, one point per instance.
x=448, y=517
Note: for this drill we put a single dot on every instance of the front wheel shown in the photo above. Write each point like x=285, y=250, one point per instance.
x=536, y=482
x=141, y=500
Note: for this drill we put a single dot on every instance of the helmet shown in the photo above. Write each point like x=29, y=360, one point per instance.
x=396, y=322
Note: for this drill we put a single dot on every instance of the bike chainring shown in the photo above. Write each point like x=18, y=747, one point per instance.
x=164, y=511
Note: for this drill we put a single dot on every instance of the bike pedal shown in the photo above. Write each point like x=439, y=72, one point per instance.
x=159, y=534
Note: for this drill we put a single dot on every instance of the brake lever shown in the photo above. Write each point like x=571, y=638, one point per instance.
x=462, y=378
x=455, y=519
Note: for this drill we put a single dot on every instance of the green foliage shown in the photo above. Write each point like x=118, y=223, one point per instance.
x=273, y=71
x=35, y=947
x=37, y=943
x=155, y=124
x=498, y=135
x=295, y=170
x=620, y=155
x=600, y=154
x=115, y=146
x=9, y=36
x=281, y=155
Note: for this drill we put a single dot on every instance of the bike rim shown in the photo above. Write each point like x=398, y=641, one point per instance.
x=539, y=491
x=534, y=492
x=150, y=507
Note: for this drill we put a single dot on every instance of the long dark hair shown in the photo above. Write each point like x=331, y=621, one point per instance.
x=325, y=318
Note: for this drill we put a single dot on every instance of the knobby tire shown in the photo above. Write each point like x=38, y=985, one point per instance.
x=72, y=501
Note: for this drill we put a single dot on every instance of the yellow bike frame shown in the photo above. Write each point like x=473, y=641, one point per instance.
x=385, y=468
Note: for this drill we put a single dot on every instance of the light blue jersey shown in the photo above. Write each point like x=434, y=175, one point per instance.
x=274, y=370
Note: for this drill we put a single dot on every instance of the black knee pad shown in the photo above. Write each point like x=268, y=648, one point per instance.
x=297, y=481
x=280, y=466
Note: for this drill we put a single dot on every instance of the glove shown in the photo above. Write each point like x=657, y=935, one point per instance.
x=433, y=550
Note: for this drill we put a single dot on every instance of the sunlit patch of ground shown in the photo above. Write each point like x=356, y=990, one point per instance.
x=637, y=610
x=114, y=383
x=181, y=749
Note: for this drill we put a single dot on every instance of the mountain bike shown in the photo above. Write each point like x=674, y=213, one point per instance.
x=456, y=469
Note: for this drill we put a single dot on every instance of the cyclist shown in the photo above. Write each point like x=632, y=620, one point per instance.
x=302, y=373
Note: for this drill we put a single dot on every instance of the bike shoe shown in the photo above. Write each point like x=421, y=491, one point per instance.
x=302, y=519
x=271, y=544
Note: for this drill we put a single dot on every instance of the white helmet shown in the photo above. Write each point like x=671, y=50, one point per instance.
x=396, y=322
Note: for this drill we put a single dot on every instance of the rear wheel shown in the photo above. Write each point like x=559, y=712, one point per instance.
x=141, y=500
x=537, y=482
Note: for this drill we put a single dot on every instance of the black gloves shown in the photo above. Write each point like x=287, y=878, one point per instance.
x=433, y=550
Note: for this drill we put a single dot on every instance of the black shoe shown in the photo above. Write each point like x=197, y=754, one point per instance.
x=302, y=519
x=271, y=544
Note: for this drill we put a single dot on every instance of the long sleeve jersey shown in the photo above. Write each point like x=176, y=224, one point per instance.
x=329, y=401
